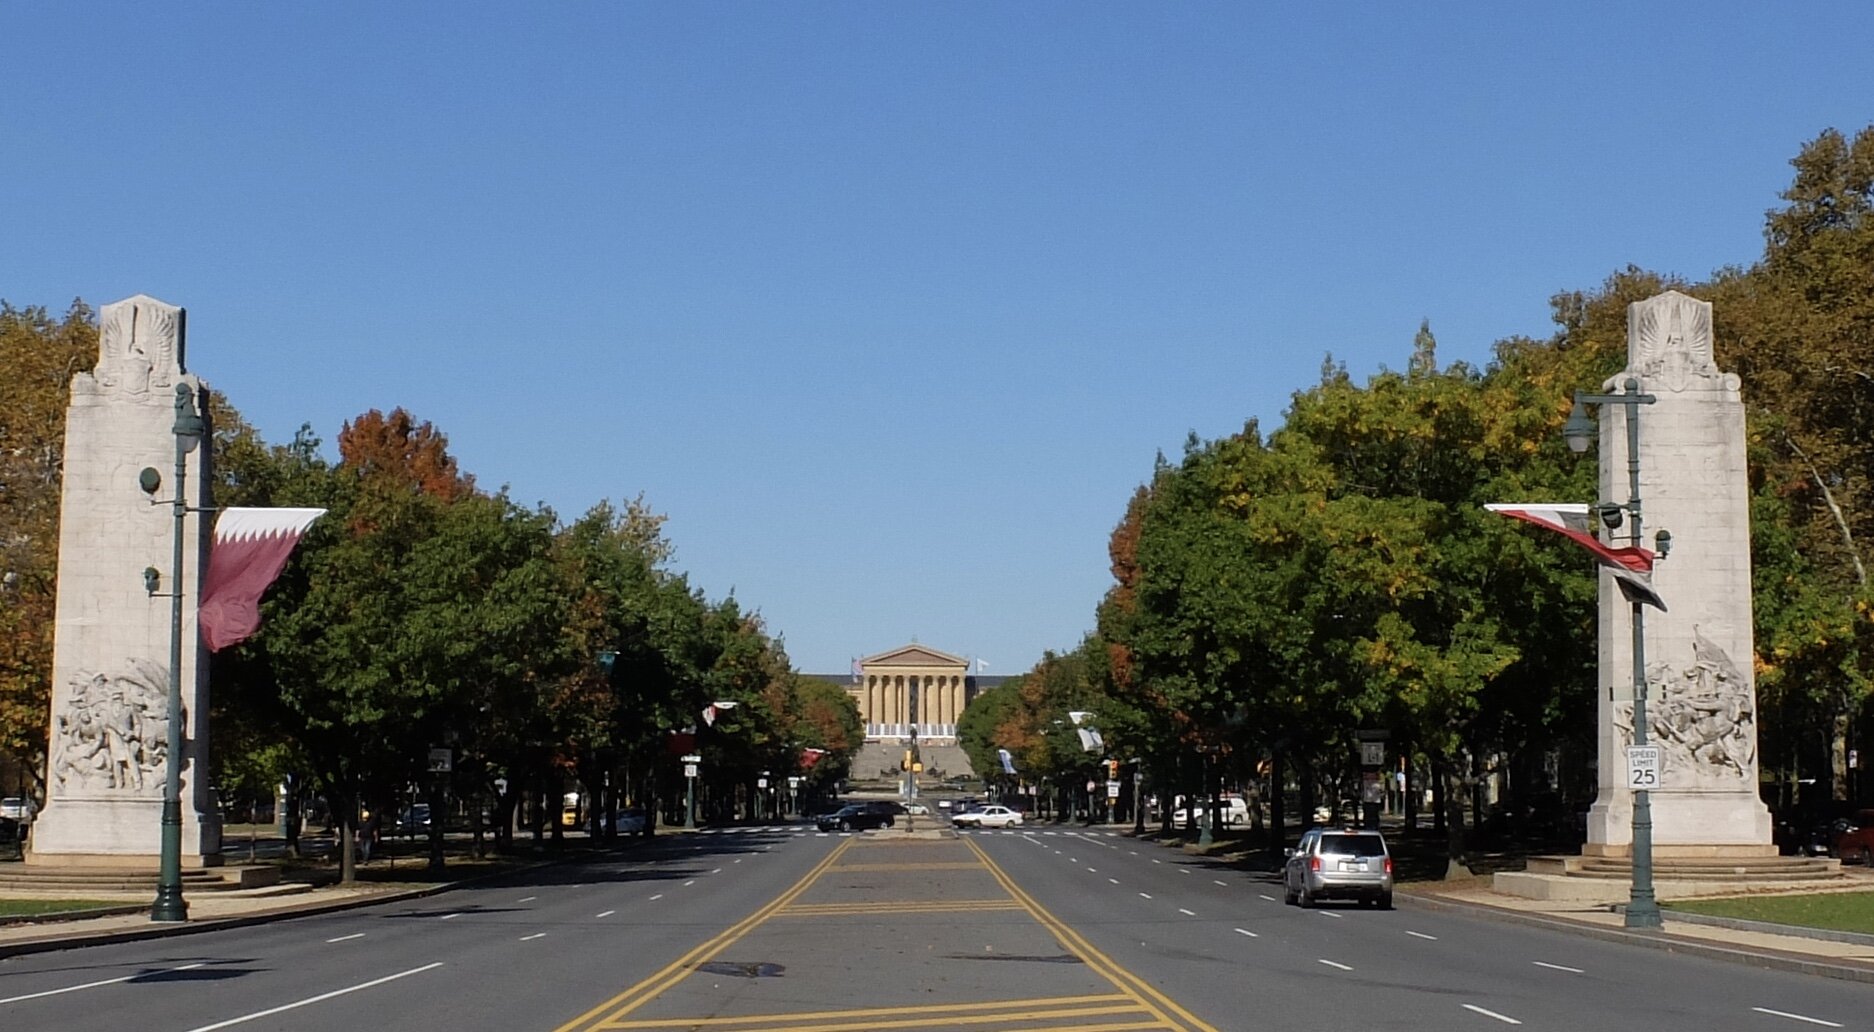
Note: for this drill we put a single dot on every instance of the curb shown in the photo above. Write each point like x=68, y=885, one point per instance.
x=1761, y=958
x=1746, y=925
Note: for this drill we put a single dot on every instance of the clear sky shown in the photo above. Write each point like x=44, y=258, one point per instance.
x=888, y=306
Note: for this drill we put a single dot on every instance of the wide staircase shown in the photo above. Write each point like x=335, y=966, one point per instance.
x=42, y=879
x=879, y=759
x=1600, y=878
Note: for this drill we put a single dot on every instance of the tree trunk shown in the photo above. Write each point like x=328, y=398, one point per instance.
x=1438, y=796
x=1278, y=778
x=1838, y=756
x=1455, y=867
x=1411, y=792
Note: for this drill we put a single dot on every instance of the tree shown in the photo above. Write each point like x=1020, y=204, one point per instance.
x=40, y=355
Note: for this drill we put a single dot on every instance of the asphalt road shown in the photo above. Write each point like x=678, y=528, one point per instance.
x=1042, y=928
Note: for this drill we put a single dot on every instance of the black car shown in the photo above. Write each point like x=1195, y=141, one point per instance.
x=854, y=817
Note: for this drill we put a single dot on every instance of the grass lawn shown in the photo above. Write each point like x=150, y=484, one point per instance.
x=30, y=907
x=1839, y=911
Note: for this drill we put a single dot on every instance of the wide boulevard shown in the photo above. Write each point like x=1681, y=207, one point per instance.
x=786, y=929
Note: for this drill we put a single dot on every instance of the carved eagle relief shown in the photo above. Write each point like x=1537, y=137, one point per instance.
x=1669, y=340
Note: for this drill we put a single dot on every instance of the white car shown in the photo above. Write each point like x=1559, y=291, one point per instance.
x=988, y=817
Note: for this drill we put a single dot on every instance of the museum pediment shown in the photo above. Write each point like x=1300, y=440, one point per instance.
x=914, y=656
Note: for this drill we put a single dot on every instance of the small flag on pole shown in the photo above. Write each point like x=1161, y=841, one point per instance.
x=1008, y=762
x=857, y=672
x=716, y=709
x=1090, y=740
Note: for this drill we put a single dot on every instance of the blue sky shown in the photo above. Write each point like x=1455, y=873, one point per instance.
x=887, y=306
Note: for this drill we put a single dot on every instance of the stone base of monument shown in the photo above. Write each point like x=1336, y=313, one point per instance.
x=1607, y=879
x=118, y=832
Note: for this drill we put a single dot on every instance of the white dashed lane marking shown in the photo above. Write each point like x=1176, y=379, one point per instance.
x=657, y=897
x=1145, y=895
x=1269, y=898
x=1187, y=913
x=527, y=899
x=94, y=985
x=1505, y=1018
x=1334, y=964
x=1421, y=935
x=1245, y=931
x=536, y=935
x=343, y=938
x=606, y=913
x=1760, y=1010
x=1556, y=967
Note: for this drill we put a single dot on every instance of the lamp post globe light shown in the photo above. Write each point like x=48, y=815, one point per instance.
x=1579, y=432
x=170, y=906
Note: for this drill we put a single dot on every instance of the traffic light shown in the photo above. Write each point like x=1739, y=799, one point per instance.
x=1112, y=768
x=905, y=764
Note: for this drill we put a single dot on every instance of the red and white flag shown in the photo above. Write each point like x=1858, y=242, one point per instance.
x=250, y=549
x=716, y=709
x=809, y=757
x=1631, y=566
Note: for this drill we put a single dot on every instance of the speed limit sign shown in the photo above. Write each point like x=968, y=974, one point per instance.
x=1643, y=766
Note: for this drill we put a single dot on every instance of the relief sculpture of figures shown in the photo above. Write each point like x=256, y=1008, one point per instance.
x=1705, y=718
x=113, y=733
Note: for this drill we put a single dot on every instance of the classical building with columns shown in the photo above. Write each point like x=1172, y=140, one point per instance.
x=911, y=686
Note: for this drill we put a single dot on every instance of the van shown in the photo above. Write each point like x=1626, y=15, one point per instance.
x=1232, y=812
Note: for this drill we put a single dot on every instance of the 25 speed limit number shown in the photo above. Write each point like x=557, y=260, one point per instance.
x=1643, y=766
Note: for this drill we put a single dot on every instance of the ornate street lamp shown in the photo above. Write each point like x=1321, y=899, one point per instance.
x=1579, y=431
x=170, y=906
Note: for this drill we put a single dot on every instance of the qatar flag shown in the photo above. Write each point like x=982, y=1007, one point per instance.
x=250, y=549
x=1632, y=566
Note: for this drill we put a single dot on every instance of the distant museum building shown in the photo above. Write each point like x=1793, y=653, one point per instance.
x=912, y=688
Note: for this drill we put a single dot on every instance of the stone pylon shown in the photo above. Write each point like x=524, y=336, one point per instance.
x=110, y=668
x=1702, y=697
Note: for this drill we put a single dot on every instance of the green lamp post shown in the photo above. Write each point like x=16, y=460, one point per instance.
x=170, y=906
x=1579, y=432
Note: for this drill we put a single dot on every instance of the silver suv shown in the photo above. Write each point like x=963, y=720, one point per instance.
x=1339, y=864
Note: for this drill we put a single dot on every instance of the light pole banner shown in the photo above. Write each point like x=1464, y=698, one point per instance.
x=250, y=549
x=1631, y=566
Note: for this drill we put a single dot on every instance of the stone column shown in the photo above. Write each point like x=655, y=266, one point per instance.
x=1701, y=690
x=107, y=745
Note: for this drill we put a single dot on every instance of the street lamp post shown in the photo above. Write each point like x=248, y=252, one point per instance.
x=1579, y=431
x=169, y=905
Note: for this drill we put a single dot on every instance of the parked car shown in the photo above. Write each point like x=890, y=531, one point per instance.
x=853, y=817
x=414, y=820
x=18, y=808
x=1232, y=812
x=1339, y=864
x=1854, y=842
x=629, y=821
x=987, y=817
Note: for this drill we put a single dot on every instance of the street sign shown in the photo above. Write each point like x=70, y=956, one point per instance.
x=1643, y=766
x=441, y=761
x=1372, y=754
x=1092, y=785
x=693, y=758
x=761, y=782
x=689, y=770
x=1112, y=790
